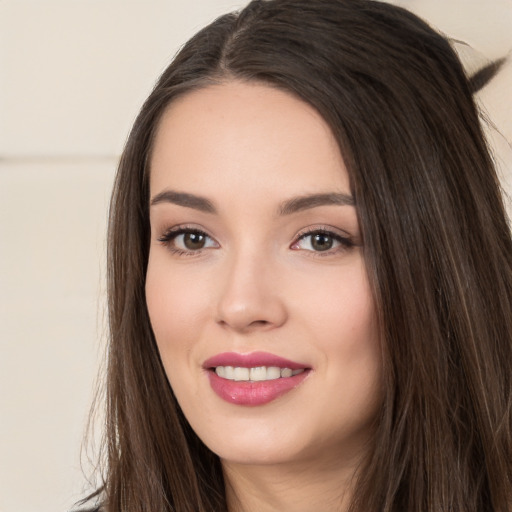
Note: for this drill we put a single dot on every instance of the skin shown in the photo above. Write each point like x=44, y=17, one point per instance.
x=260, y=284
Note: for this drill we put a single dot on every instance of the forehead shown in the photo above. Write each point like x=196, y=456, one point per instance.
x=244, y=136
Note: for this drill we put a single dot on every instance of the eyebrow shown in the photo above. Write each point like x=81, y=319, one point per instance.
x=184, y=199
x=306, y=202
x=288, y=207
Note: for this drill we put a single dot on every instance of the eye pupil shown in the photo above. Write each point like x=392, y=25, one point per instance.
x=194, y=241
x=321, y=242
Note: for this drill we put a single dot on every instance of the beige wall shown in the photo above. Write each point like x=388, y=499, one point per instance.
x=72, y=76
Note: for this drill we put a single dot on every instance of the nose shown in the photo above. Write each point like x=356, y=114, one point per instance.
x=250, y=296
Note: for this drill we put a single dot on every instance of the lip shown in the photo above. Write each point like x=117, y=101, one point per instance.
x=253, y=393
x=251, y=360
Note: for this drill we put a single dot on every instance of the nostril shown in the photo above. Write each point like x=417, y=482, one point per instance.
x=259, y=323
x=247, y=326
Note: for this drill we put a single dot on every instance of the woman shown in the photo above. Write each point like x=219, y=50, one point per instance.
x=310, y=281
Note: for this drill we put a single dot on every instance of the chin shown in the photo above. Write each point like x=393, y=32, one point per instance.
x=253, y=441
x=253, y=454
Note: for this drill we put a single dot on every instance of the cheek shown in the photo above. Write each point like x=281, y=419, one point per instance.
x=341, y=322
x=340, y=308
x=176, y=303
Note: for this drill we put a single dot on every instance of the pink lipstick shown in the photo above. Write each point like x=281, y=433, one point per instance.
x=255, y=378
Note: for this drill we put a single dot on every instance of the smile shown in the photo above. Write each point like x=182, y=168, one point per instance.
x=256, y=373
x=253, y=379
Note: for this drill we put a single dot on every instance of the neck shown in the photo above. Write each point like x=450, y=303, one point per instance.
x=288, y=487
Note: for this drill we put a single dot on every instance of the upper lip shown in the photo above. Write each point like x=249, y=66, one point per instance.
x=251, y=360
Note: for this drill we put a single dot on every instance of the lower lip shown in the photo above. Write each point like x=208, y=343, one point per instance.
x=253, y=393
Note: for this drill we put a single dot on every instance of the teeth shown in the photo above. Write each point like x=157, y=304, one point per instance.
x=273, y=372
x=229, y=373
x=286, y=372
x=256, y=374
x=241, y=373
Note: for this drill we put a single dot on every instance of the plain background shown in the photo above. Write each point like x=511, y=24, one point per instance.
x=73, y=74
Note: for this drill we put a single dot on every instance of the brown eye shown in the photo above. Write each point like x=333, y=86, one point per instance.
x=194, y=241
x=319, y=241
x=322, y=242
x=184, y=240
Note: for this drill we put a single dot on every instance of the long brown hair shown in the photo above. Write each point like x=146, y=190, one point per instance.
x=437, y=248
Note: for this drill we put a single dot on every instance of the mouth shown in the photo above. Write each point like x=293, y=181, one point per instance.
x=253, y=379
x=255, y=373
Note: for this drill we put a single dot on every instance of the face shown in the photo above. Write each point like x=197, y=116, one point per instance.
x=256, y=287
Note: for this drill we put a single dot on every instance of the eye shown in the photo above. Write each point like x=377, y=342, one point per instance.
x=187, y=240
x=321, y=240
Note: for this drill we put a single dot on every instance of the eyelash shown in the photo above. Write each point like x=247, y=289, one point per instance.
x=345, y=242
x=170, y=235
